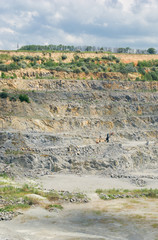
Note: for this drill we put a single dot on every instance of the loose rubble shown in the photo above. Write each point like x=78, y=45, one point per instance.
x=7, y=216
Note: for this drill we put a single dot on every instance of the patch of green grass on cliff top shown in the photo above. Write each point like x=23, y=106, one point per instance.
x=5, y=57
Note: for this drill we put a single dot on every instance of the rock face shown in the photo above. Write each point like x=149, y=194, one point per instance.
x=64, y=127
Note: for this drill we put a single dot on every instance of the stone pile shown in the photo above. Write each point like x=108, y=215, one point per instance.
x=116, y=196
x=8, y=215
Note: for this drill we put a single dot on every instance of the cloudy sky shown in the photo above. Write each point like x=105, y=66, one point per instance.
x=108, y=23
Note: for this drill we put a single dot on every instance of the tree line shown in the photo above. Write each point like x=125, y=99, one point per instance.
x=71, y=48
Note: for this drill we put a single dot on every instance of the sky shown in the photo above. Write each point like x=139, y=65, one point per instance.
x=103, y=23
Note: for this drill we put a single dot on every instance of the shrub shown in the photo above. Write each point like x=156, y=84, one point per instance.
x=24, y=98
x=13, y=98
x=127, y=68
x=147, y=77
x=84, y=68
x=87, y=71
x=77, y=70
x=23, y=64
x=87, y=60
x=49, y=63
x=3, y=75
x=104, y=57
x=16, y=58
x=96, y=58
x=30, y=58
x=138, y=79
x=58, y=68
x=76, y=57
x=117, y=60
x=63, y=57
x=3, y=67
x=154, y=76
x=14, y=75
x=141, y=70
x=3, y=94
x=12, y=66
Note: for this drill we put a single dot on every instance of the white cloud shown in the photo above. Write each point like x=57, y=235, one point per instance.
x=4, y=30
x=73, y=39
x=98, y=22
x=127, y=5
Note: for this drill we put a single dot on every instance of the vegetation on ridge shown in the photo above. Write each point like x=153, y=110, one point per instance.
x=109, y=63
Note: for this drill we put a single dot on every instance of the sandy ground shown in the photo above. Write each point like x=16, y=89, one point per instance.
x=109, y=220
x=89, y=183
x=121, y=219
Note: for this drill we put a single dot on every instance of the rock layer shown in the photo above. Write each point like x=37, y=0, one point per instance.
x=65, y=125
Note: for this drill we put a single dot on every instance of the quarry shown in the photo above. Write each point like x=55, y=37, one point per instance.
x=54, y=124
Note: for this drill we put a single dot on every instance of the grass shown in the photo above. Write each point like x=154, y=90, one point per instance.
x=97, y=212
x=5, y=57
x=80, y=195
x=155, y=225
x=18, y=197
x=52, y=196
x=12, y=207
x=15, y=197
x=138, y=217
x=58, y=206
x=125, y=193
x=4, y=175
x=9, y=151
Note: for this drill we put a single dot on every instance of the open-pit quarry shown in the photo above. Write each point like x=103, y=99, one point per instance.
x=57, y=140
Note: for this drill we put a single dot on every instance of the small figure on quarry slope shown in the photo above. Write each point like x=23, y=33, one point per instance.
x=108, y=136
x=100, y=139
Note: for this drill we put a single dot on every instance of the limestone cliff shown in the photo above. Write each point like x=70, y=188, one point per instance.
x=64, y=127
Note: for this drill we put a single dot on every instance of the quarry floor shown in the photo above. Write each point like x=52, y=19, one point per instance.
x=132, y=219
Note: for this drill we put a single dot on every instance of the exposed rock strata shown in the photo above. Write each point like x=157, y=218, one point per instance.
x=64, y=127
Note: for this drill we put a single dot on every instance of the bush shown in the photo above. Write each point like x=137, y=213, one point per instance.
x=50, y=63
x=84, y=68
x=138, y=79
x=58, y=68
x=3, y=67
x=154, y=76
x=147, y=77
x=16, y=58
x=13, y=66
x=30, y=58
x=3, y=75
x=87, y=60
x=76, y=57
x=13, y=98
x=24, y=98
x=63, y=57
x=23, y=64
x=77, y=70
x=127, y=68
x=3, y=94
x=117, y=60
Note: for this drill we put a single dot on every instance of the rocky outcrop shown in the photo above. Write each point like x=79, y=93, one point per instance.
x=75, y=85
x=64, y=127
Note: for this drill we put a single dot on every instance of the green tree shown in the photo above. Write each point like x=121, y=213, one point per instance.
x=151, y=50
